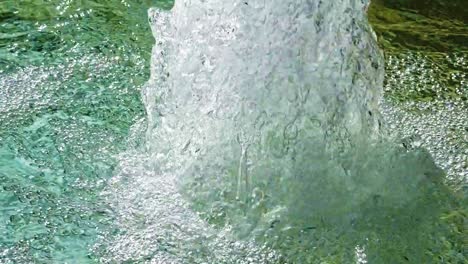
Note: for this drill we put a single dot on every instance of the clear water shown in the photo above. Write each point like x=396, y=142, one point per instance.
x=70, y=73
x=79, y=177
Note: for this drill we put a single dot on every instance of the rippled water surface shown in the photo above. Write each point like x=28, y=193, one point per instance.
x=70, y=73
x=78, y=177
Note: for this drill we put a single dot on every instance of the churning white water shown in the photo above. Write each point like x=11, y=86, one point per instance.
x=264, y=142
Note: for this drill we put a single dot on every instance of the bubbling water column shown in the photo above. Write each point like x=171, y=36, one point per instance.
x=267, y=112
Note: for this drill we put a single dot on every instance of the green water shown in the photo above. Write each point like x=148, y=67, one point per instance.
x=70, y=73
x=70, y=79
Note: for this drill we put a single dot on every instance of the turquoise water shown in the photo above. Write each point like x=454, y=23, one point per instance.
x=71, y=74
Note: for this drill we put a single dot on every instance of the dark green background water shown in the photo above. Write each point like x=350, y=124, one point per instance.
x=70, y=78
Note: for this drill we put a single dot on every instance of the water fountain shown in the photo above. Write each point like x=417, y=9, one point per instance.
x=265, y=115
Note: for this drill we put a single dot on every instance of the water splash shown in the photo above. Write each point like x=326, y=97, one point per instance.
x=238, y=85
x=265, y=114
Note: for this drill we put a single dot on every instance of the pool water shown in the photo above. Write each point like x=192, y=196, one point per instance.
x=72, y=114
